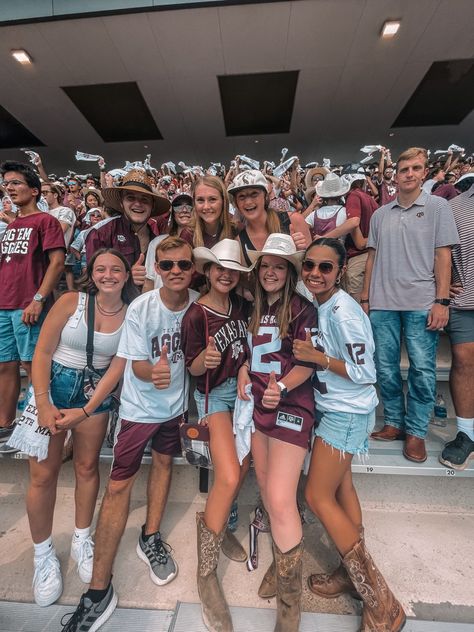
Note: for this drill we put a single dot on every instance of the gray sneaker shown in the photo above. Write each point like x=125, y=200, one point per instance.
x=5, y=433
x=7, y=449
x=90, y=616
x=157, y=555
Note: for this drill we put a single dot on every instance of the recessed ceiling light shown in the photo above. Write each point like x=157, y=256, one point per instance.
x=22, y=56
x=390, y=28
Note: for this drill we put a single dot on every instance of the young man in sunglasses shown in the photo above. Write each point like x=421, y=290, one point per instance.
x=153, y=402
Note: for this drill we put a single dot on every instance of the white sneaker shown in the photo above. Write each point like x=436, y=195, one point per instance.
x=47, y=580
x=82, y=552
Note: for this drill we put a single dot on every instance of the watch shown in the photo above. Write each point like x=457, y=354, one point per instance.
x=283, y=390
x=39, y=297
x=443, y=301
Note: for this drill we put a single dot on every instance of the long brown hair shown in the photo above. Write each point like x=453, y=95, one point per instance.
x=225, y=229
x=85, y=283
x=284, y=314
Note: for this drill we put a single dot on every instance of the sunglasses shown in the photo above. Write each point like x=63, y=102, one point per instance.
x=325, y=267
x=180, y=208
x=167, y=264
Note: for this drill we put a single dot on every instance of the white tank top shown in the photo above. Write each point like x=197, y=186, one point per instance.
x=71, y=349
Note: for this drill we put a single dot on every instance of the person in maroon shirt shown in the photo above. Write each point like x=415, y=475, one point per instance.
x=32, y=254
x=283, y=413
x=214, y=340
x=362, y=205
x=131, y=231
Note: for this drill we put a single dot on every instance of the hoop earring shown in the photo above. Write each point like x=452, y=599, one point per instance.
x=338, y=281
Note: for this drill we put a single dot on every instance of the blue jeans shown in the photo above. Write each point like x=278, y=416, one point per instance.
x=389, y=327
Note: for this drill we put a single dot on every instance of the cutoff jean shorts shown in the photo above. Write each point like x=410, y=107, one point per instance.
x=347, y=432
x=221, y=399
x=67, y=388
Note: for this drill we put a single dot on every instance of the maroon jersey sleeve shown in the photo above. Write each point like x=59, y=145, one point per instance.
x=353, y=206
x=193, y=333
x=93, y=243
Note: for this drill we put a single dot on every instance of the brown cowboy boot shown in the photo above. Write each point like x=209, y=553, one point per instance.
x=335, y=584
x=268, y=587
x=232, y=548
x=215, y=611
x=289, y=575
x=381, y=611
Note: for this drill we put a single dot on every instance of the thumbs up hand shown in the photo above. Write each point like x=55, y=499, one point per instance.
x=271, y=395
x=299, y=231
x=304, y=351
x=161, y=371
x=212, y=357
x=139, y=270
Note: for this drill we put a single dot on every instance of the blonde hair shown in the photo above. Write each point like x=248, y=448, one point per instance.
x=284, y=314
x=413, y=152
x=169, y=243
x=225, y=230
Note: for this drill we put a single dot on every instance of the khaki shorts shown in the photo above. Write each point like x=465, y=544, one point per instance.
x=354, y=277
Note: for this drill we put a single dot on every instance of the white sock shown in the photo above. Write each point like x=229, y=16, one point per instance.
x=44, y=548
x=81, y=534
x=466, y=426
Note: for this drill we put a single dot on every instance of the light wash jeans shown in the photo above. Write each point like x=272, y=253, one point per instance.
x=389, y=327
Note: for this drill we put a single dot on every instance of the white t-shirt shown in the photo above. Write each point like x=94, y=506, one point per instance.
x=67, y=216
x=344, y=332
x=148, y=326
x=150, y=262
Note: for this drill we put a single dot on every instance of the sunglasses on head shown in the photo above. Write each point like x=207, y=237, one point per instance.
x=325, y=267
x=167, y=264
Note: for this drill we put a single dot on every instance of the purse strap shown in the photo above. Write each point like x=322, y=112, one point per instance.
x=90, y=331
x=206, y=401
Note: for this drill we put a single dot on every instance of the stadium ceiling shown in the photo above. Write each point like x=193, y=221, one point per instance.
x=161, y=82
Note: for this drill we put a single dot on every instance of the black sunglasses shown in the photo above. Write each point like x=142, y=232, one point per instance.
x=194, y=458
x=325, y=267
x=167, y=264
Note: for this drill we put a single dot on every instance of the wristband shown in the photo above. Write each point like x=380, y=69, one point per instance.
x=364, y=300
x=85, y=412
x=329, y=361
x=42, y=393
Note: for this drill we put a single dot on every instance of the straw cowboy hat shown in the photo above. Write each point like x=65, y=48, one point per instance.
x=226, y=253
x=322, y=171
x=135, y=180
x=333, y=186
x=280, y=245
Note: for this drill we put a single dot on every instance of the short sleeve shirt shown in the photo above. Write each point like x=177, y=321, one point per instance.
x=24, y=257
x=404, y=240
x=359, y=204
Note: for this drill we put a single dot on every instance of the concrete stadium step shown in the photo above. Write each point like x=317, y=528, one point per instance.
x=21, y=617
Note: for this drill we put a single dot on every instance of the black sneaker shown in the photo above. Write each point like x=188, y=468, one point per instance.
x=157, y=555
x=456, y=453
x=5, y=433
x=90, y=616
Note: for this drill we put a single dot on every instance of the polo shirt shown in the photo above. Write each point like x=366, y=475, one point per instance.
x=463, y=253
x=404, y=240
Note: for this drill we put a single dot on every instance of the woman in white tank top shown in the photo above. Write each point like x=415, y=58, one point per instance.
x=58, y=383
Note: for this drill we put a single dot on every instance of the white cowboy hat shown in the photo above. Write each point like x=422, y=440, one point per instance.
x=246, y=179
x=332, y=186
x=226, y=253
x=279, y=245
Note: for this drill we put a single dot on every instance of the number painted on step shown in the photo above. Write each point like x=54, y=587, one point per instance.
x=450, y=472
x=369, y=469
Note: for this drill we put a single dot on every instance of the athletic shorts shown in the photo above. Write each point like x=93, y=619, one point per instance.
x=460, y=326
x=347, y=432
x=132, y=440
x=221, y=398
x=17, y=340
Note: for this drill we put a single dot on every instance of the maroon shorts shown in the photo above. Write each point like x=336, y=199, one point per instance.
x=132, y=440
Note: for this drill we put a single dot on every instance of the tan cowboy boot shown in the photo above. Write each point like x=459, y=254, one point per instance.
x=215, y=611
x=335, y=584
x=381, y=611
x=289, y=575
x=232, y=548
x=268, y=587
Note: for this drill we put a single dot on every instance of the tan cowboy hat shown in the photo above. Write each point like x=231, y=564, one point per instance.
x=226, y=253
x=279, y=245
x=96, y=193
x=322, y=171
x=135, y=180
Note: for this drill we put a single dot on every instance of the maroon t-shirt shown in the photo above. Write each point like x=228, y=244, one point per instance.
x=293, y=418
x=24, y=257
x=446, y=191
x=117, y=234
x=362, y=205
x=387, y=192
x=230, y=335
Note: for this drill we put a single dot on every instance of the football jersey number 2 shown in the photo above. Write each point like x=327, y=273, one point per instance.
x=272, y=346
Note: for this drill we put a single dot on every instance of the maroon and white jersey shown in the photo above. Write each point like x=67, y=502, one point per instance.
x=293, y=418
x=230, y=335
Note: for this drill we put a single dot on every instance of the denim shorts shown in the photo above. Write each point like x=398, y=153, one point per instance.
x=67, y=388
x=347, y=432
x=221, y=398
x=17, y=340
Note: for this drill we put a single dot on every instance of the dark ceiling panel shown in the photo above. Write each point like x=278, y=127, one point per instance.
x=117, y=111
x=14, y=134
x=260, y=103
x=445, y=95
